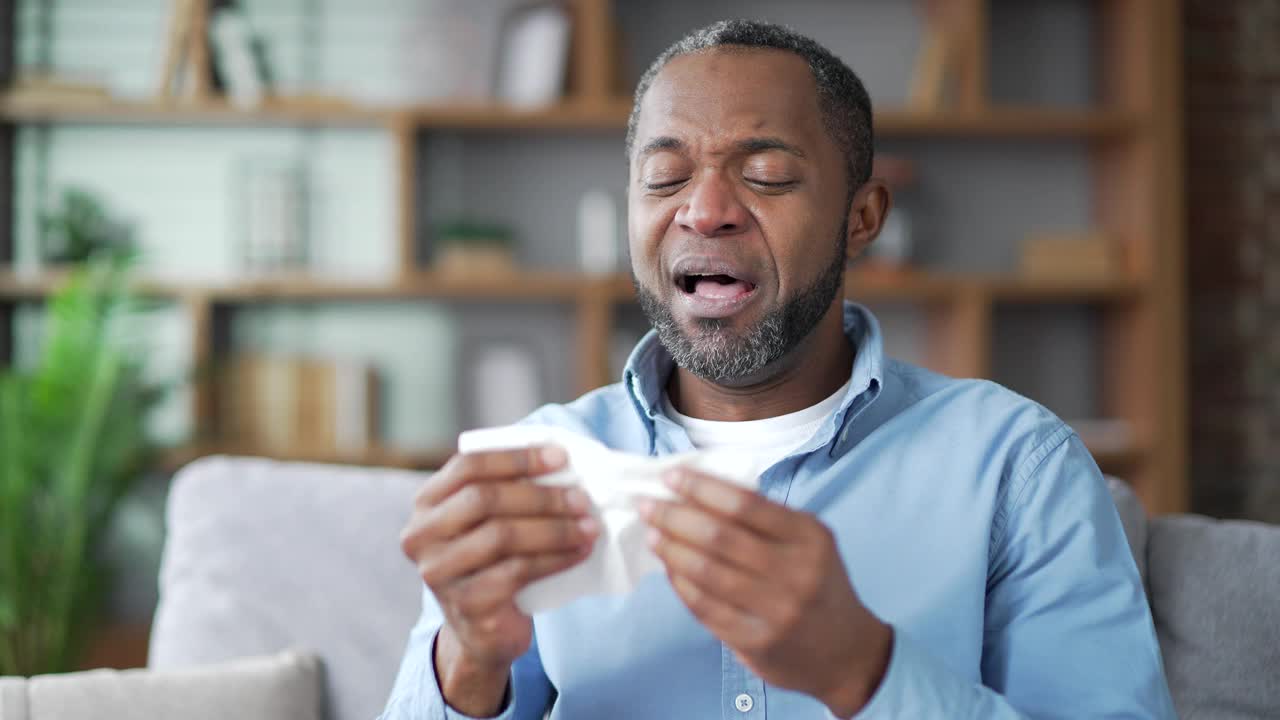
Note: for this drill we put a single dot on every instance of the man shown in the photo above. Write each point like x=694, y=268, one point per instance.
x=920, y=547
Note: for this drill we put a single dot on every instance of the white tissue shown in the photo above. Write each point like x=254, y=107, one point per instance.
x=613, y=480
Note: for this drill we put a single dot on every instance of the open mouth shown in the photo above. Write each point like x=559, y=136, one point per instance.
x=715, y=286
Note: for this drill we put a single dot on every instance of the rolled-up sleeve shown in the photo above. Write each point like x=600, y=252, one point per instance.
x=1068, y=632
x=416, y=694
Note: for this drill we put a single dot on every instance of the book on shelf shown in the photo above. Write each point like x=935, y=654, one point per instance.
x=299, y=405
x=211, y=50
x=933, y=64
x=1090, y=256
x=185, y=51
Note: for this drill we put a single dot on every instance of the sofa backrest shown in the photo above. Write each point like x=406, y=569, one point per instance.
x=265, y=556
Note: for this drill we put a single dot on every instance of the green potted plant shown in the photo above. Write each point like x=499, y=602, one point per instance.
x=80, y=227
x=464, y=246
x=72, y=442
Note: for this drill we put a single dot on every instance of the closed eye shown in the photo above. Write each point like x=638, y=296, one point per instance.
x=661, y=186
x=781, y=185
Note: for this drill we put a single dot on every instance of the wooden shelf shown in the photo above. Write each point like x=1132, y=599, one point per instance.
x=36, y=286
x=21, y=286
x=217, y=113
x=863, y=285
x=518, y=285
x=608, y=114
x=1007, y=122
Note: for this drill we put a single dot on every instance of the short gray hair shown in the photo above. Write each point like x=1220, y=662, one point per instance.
x=845, y=105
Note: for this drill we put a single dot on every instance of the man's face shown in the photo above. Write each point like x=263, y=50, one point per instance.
x=737, y=210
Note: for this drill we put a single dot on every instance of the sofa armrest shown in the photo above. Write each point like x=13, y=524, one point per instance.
x=287, y=686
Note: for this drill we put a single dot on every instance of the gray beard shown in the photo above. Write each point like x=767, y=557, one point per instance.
x=715, y=353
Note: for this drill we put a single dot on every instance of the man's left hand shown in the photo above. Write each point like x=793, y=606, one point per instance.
x=768, y=581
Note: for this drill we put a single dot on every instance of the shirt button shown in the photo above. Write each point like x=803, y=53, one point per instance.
x=744, y=703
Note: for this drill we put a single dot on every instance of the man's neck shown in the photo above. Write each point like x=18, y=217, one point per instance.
x=806, y=376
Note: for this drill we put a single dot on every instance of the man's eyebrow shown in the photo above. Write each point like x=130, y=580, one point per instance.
x=657, y=144
x=747, y=146
x=761, y=144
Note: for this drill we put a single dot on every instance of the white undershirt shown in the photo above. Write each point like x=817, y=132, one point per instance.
x=770, y=439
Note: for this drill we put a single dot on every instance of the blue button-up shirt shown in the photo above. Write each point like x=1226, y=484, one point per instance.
x=971, y=519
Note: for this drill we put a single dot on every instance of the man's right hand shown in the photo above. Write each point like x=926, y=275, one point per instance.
x=480, y=532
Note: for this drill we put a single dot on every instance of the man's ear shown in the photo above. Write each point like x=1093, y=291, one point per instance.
x=867, y=212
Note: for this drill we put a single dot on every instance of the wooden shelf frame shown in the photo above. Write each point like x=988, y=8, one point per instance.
x=18, y=109
x=609, y=114
x=551, y=286
x=1132, y=138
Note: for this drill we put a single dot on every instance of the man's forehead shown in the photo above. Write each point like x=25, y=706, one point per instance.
x=724, y=60
x=755, y=90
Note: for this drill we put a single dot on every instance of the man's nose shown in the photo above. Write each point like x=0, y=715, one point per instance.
x=712, y=209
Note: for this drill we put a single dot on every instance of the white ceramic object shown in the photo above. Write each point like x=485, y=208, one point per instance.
x=535, y=54
x=598, y=232
x=505, y=384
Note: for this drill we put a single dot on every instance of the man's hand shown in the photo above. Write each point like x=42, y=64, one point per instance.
x=768, y=581
x=480, y=532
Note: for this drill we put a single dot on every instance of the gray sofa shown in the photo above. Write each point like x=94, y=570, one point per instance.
x=265, y=556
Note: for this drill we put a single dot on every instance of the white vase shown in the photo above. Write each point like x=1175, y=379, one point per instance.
x=535, y=56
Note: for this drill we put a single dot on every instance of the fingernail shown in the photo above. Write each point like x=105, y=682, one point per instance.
x=578, y=500
x=645, y=507
x=554, y=456
x=589, y=525
x=652, y=538
x=672, y=479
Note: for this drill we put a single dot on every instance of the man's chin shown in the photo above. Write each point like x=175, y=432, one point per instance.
x=718, y=330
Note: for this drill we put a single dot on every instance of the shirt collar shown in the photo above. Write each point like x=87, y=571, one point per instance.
x=649, y=366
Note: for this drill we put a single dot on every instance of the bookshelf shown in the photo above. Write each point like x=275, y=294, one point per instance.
x=1131, y=136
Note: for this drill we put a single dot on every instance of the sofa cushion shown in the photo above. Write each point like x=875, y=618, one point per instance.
x=1215, y=594
x=281, y=687
x=264, y=555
